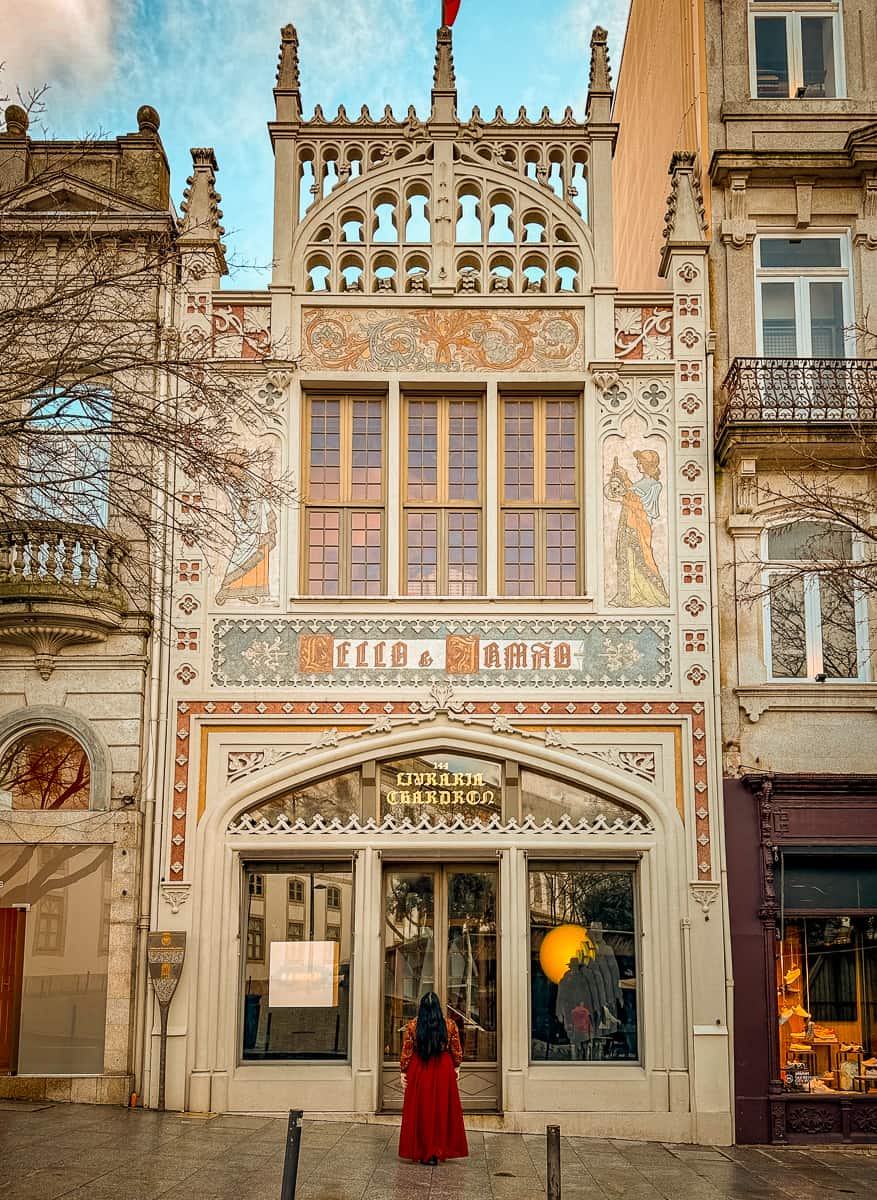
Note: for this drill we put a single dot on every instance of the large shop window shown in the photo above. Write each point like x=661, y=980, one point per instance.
x=826, y=974
x=795, y=49
x=297, y=973
x=583, y=963
x=816, y=623
x=803, y=296
x=54, y=942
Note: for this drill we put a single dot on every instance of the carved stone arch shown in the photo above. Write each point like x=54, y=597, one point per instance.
x=50, y=716
x=470, y=171
x=311, y=764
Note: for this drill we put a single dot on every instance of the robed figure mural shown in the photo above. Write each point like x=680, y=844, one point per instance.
x=639, y=583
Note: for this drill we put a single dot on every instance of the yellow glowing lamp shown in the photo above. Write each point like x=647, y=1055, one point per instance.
x=563, y=943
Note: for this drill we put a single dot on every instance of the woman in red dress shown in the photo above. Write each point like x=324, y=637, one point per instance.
x=432, y=1116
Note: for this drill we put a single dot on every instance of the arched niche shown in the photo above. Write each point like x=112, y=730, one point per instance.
x=67, y=745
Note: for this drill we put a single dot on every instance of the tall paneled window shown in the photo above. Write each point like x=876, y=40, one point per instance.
x=443, y=496
x=816, y=622
x=344, y=496
x=803, y=296
x=540, y=531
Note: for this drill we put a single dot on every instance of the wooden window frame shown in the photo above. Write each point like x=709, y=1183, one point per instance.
x=346, y=504
x=443, y=505
x=538, y=504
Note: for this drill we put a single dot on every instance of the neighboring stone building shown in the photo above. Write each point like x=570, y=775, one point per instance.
x=789, y=150
x=76, y=687
x=448, y=721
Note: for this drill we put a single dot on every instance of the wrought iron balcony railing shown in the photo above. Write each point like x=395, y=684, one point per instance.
x=59, y=561
x=777, y=390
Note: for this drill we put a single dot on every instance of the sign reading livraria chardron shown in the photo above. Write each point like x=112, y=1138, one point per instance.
x=281, y=652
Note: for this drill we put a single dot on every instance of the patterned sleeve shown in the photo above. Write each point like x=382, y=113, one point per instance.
x=407, y=1048
x=454, y=1043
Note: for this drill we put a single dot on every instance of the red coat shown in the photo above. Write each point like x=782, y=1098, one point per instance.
x=432, y=1116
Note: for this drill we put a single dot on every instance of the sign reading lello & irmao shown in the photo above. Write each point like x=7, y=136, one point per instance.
x=602, y=653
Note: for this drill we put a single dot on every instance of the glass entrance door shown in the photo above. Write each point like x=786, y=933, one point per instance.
x=440, y=935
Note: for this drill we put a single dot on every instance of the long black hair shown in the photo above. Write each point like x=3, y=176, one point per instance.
x=431, y=1037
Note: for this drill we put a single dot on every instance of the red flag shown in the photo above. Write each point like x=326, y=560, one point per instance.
x=450, y=8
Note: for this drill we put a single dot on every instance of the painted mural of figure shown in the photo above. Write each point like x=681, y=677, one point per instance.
x=254, y=530
x=640, y=584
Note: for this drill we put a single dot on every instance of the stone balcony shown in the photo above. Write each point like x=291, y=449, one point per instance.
x=770, y=401
x=59, y=586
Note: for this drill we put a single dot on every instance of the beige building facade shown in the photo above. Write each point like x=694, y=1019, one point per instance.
x=447, y=720
x=788, y=151
x=77, y=682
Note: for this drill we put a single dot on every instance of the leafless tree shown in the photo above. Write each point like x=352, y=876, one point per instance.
x=108, y=418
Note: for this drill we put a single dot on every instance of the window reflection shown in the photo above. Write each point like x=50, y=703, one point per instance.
x=583, y=964
x=299, y=941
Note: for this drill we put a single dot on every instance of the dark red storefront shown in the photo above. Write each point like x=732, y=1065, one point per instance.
x=802, y=887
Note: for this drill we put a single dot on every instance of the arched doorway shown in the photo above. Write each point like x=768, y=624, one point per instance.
x=445, y=844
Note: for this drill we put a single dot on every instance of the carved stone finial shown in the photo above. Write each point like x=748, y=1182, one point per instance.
x=201, y=226
x=443, y=78
x=684, y=221
x=601, y=74
x=17, y=121
x=147, y=119
x=287, y=62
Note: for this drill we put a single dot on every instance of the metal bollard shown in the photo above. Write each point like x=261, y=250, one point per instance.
x=553, y=1148
x=290, y=1158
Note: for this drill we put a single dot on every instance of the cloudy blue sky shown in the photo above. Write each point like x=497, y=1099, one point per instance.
x=208, y=67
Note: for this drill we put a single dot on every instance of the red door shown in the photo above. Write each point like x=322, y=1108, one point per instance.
x=11, y=964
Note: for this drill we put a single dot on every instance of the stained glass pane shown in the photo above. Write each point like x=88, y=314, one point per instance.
x=519, y=553
x=463, y=450
x=325, y=450
x=519, y=460
x=421, y=553
x=366, y=553
x=324, y=546
x=367, y=450
x=422, y=450
x=463, y=553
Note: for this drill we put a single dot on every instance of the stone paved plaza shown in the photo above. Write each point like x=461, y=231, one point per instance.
x=72, y=1151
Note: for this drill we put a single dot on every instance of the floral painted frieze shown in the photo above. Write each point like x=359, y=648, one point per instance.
x=432, y=339
x=644, y=333
x=286, y=652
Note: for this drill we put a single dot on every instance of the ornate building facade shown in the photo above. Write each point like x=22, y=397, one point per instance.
x=780, y=113
x=447, y=721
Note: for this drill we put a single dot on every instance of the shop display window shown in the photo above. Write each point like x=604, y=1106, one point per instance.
x=297, y=974
x=826, y=976
x=54, y=931
x=583, y=963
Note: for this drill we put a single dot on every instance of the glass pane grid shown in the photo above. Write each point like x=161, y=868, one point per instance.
x=560, y=450
x=324, y=477
x=421, y=553
x=422, y=482
x=324, y=549
x=463, y=450
x=463, y=553
x=367, y=454
x=366, y=553
x=519, y=476
x=519, y=553
x=561, y=553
